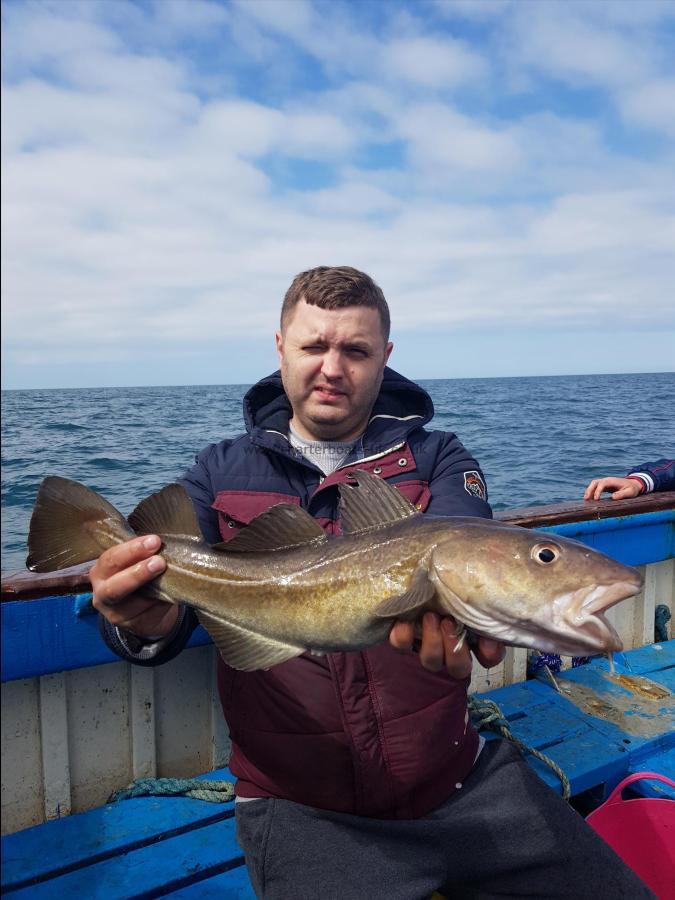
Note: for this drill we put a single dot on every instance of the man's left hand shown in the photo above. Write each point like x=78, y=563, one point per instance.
x=437, y=647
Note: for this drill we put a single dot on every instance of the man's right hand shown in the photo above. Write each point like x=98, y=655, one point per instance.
x=117, y=576
x=623, y=488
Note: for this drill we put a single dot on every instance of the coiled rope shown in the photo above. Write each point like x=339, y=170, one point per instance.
x=195, y=788
x=487, y=714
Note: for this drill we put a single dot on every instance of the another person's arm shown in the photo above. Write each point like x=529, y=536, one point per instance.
x=643, y=479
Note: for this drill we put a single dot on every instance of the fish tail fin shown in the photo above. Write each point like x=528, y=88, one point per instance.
x=63, y=525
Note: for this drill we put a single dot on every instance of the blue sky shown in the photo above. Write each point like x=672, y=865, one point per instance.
x=504, y=169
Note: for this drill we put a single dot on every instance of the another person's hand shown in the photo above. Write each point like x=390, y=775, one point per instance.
x=437, y=647
x=622, y=488
x=116, y=577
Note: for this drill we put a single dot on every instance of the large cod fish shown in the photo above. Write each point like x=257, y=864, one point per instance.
x=281, y=587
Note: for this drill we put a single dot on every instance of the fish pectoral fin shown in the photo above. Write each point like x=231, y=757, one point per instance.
x=410, y=604
x=371, y=504
x=168, y=512
x=243, y=649
x=282, y=527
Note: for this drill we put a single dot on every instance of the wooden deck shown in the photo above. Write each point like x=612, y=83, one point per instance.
x=182, y=848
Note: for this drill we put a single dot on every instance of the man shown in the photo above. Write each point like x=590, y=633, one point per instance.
x=359, y=774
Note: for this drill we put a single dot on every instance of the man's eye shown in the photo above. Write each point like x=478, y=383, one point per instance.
x=357, y=351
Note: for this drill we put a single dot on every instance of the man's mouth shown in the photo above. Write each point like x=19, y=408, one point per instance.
x=328, y=393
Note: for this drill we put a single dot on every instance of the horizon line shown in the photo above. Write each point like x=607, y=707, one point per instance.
x=97, y=387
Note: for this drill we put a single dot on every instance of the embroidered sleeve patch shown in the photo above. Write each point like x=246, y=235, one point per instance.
x=474, y=485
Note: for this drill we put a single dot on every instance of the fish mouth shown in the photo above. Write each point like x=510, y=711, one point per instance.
x=599, y=633
x=600, y=597
x=584, y=611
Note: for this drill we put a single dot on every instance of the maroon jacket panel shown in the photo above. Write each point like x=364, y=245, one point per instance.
x=359, y=733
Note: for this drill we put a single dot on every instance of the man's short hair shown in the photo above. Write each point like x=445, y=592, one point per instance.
x=336, y=287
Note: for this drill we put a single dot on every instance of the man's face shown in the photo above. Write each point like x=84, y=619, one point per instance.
x=332, y=361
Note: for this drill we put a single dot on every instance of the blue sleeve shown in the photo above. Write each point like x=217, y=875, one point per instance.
x=457, y=484
x=198, y=483
x=656, y=476
x=149, y=653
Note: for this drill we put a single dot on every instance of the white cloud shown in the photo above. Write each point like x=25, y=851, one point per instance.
x=431, y=62
x=444, y=139
x=251, y=129
x=190, y=16
x=293, y=18
x=46, y=34
x=472, y=9
x=651, y=105
x=562, y=42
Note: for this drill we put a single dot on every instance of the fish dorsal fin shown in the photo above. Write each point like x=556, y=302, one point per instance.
x=410, y=604
x=371, y=504
x=282, y=527
x=168, y=512
x=243, y=649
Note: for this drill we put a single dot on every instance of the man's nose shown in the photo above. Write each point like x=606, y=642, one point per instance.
x=331, y=366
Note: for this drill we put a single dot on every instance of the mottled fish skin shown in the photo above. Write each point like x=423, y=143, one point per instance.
x=323, y=596
x=308, y=592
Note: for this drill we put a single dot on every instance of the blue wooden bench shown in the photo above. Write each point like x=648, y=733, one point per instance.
x=143, y=847
x=181, y=848
x=594, y=751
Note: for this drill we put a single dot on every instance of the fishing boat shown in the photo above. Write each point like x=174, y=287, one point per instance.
x=79, y=724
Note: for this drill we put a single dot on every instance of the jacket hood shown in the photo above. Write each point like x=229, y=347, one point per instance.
x=401, y=406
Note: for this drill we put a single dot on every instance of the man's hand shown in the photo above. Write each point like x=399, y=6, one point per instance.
x=118, y=574
x=437, y=648
x=622, y=487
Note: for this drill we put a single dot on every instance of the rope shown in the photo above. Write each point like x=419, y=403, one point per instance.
x=195, y=788
x=487, y=714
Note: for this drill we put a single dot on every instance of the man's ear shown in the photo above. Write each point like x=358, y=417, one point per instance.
x=387, y=352
x=279, y=341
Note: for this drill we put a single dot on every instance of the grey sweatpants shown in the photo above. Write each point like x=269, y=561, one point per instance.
x=503, y=834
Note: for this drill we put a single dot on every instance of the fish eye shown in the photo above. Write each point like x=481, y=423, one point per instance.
x=545, y=554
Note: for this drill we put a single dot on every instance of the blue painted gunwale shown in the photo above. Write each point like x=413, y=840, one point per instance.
x=634, y=540
x=59, y=633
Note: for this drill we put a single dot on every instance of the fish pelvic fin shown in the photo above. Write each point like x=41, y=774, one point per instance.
x=243, y=649
x=282, y=527
x=409, y=605
x=63, y=528
x=371, y=504
x=167, y=512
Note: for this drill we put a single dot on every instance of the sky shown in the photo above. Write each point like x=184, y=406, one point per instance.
x=503, y=169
